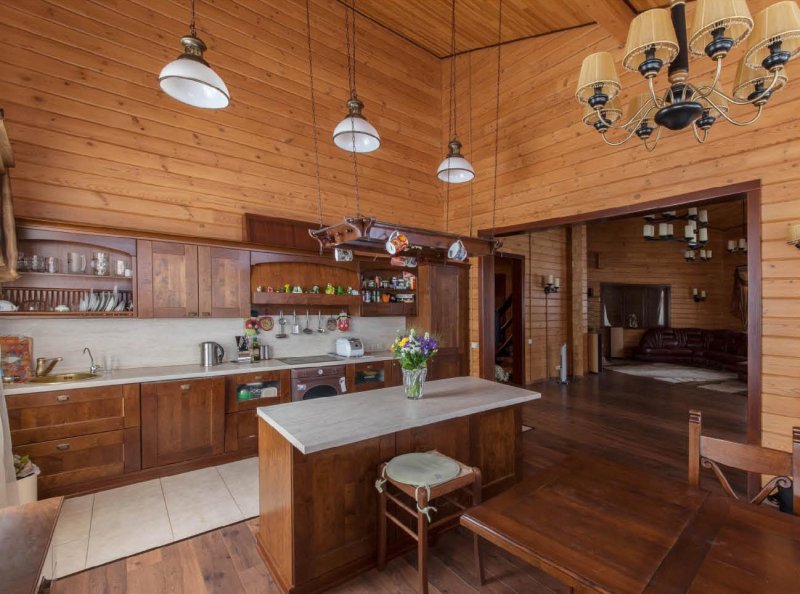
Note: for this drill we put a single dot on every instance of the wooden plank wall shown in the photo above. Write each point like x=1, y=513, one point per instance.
x=97, y=142
x=618, y=254
x=551, y=165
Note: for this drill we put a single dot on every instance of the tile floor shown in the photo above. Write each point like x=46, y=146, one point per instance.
x=95, y=529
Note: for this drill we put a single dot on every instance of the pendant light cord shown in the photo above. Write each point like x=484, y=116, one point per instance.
x=497, y=114
x=469, y=119
x=453, y=121
x=314, y=134
x=350, y=38
x=192, y=30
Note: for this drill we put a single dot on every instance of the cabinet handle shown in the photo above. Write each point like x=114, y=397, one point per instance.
x=62, y=446
x=257, y=378
x=62, y=397
x=192, y=314
x=185, y=387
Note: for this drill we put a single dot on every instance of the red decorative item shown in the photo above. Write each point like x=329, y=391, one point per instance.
x=343, y=322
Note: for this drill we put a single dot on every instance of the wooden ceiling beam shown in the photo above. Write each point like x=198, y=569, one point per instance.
x=614, y=16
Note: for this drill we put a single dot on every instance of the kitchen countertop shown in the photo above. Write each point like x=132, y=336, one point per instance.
x=324, y=423
x=138, y=375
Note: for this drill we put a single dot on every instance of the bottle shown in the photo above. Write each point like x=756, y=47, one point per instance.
x=254, y=348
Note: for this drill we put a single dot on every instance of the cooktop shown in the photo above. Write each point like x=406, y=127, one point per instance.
x=310, y=359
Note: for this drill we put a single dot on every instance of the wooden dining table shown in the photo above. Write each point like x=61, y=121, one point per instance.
x=600, y=526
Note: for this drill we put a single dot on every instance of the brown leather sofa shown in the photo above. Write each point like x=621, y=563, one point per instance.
x=717, y=349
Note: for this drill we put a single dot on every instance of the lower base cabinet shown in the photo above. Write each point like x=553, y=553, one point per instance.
x=182, y=420
x=244, y=393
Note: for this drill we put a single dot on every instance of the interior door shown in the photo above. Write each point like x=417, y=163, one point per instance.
x=224, y=276
x=182, y=420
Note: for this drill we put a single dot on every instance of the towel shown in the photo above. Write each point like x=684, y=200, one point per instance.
x=8, y=234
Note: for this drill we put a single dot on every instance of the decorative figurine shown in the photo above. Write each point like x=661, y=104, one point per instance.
x=329, y=289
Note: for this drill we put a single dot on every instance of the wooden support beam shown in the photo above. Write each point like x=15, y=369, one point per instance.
x=613, y=15
x=578, y=286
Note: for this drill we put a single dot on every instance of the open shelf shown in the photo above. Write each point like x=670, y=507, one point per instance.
x=309, y=299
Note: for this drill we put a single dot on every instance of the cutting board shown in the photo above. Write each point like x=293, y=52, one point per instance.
x=16, y=357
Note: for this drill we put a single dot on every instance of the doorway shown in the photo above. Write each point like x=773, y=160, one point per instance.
x=509, y=320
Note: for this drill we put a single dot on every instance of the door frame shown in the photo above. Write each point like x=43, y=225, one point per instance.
x=751, y=190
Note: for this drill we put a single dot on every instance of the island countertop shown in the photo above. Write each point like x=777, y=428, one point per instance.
x=324, y=423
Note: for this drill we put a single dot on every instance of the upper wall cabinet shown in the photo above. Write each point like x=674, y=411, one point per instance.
x=179, y=280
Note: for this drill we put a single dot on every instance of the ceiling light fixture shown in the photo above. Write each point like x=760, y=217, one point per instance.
x=190, y=79
x=354, y=133
x=657, y=38
x=455, y=169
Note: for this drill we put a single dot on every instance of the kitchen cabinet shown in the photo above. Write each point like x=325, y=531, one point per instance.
x=387, y=300
x=182, y=420
x=369, y=375
x=443, y=310
x=244, y=393
x=178, y=280
x=78, y=435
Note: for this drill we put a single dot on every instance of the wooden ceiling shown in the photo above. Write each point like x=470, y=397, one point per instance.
x=426, y=23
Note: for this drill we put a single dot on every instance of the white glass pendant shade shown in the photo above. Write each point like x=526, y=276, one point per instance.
x=354, y=133
x=191, y=80
x=455, y=169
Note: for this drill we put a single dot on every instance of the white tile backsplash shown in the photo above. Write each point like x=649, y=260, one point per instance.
x=126, y=343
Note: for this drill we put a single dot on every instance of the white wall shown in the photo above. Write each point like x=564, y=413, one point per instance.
x=125, y=343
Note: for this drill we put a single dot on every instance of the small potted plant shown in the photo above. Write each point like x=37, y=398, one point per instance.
x=413, y=353
x=27, y=473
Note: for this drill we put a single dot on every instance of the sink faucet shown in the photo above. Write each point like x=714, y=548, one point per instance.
x=45, y=366
x=92, y=367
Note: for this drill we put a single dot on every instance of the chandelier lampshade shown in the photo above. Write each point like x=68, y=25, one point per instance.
x=611, y=113
x=597, y=70
x=650, y=33
x=718, y=26
x=776, y=36
x=752, y=82
x=354, y=132
x=455, y=169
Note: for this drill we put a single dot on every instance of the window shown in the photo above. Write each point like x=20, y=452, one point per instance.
x=635, y=306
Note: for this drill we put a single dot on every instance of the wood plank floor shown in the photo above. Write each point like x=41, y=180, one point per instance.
x=619, y=417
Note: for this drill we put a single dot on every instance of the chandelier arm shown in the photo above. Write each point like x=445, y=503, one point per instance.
x=697, y=135
x=651, y=147
x=653, y=92
x=617, y=142
x=706, y=90
x=760, y=109
x=773, y=83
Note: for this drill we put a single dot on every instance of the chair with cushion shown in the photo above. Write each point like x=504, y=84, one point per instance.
x=710, y=452
x=417, y=480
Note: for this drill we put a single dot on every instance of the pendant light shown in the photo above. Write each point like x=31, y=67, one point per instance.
x=190, y=79
x=354, y=133
x=455, y=169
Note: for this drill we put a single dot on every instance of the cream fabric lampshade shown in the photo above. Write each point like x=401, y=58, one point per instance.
x=652, y=28
x=612, y=112
x=747, y=78
x=781, y=21
x=635, y=112
x=597, y=69
x=793, y=233
x=713, y=14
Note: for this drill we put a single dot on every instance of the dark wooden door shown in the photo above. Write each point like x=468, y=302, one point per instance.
x=182, y=420
x=224, y=277
x=168, y=281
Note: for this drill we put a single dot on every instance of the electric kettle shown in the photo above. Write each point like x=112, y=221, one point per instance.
x=211, y=353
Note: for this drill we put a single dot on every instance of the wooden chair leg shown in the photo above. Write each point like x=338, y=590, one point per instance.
x=477, y=495
x=382, y=530
x=422, y=546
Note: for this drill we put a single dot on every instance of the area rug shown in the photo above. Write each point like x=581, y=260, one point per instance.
x=734, y=387
x=674, y=374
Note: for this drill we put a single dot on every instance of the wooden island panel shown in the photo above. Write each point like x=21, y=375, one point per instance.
x=318, y=512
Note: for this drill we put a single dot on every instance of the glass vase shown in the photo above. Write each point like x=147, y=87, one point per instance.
x=414, y=382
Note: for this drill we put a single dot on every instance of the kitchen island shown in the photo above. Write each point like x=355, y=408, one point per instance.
x=318, y=461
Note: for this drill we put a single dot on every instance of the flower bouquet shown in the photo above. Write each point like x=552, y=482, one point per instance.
x=413, y=353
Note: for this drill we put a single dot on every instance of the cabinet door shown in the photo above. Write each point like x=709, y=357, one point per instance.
x=167, y=279
x=224, y=276
x=182, y=420
x=447, y=363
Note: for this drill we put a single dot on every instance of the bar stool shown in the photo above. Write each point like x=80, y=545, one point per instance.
x=425, y=477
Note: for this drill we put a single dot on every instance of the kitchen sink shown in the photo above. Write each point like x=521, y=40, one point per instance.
x=63, y=378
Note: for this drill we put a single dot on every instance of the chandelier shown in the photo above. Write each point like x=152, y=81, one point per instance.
x=657, y=38
x=662, y=228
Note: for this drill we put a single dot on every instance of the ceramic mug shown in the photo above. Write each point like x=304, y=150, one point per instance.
x=120, y=270
x=457, y=251
x=100, y=263
x=76, y=263
x=396, y=243
x=51, y=264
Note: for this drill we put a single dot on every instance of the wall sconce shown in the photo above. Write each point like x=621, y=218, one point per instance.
x=737, y=247
x=551, y=284
x=793, y=235
x=699, y=296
